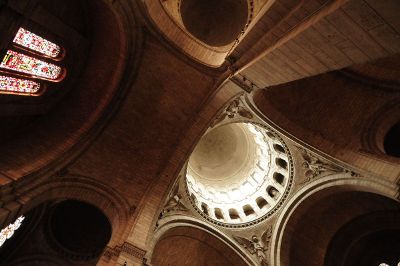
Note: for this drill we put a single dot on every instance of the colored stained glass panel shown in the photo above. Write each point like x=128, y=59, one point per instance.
x=36, y=43
x=8, y=232
x=29, y=65
x=18, y=86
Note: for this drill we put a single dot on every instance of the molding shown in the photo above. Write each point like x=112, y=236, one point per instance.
x=126, y=248
x=133, y=250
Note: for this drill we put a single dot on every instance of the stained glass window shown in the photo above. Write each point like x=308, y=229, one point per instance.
x=36, y=43
x=8, y=232
x=18, y=86
x=29, y=65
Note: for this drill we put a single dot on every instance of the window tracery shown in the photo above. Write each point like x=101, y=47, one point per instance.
x=29, y=65
x=36, y=43
x=34, y=67
x=8, y=232
x=18, y=86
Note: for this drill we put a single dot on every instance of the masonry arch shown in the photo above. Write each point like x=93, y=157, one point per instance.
x=203, y=245
x=328, y=202
x=57, y=124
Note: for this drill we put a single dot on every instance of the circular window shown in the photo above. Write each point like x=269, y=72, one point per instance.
x=216, y=23
x=238, y=173
x=392, y=141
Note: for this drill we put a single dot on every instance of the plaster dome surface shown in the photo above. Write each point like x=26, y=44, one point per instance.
x=233, y=175
x=224, y=156
x=216, y=23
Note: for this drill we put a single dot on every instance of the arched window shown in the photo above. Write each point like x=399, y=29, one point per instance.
x=36, y=43
x=248, y=210
x=218, y=213
x=11, y=85
x=33, y=67
x=233, y=214
x=279, y=178
x=204, y=208
x=29, y=65
x=261, y=202
x=8, y=231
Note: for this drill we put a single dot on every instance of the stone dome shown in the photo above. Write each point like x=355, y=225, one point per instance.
x=237, y=173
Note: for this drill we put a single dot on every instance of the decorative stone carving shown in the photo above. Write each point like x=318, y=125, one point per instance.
x=244, y=83
x=111, y=252
x=132, y=250
x=174, y=203
x=126, y=248
x=353, y=174
x=233, y=110
x=256, y=246
x=314, y=166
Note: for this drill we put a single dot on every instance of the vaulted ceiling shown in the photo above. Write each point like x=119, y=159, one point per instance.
x=142, y=90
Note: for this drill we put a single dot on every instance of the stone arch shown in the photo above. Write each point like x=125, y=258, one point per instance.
x=77, y=230
x=142, y=227
x=166, y=18
x=84, y=189
x=171, y=224
x=71, y=125
x=374, y=239
x=379, y=125
x=328, y=186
